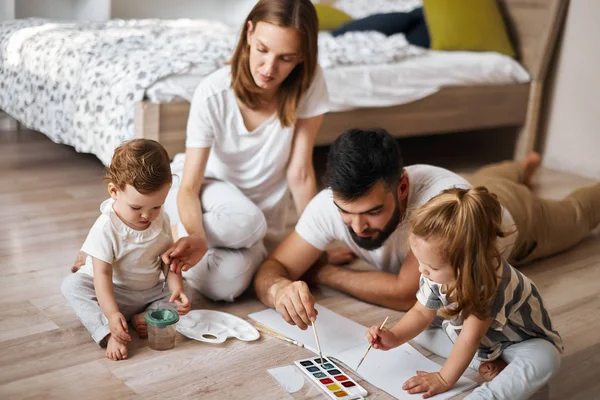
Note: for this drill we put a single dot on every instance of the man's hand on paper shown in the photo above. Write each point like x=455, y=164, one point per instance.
x=296, y=304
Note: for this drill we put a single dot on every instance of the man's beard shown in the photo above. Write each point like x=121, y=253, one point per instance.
x=369, y=243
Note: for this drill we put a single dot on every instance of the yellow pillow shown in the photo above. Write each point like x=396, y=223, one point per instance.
x=330, y=17
x=471, y=25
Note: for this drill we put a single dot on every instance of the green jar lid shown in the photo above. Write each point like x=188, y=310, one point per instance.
x=161, y=317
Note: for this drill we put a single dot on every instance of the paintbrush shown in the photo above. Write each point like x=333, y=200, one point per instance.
x=371, y=345
x=278, y=335
x=165, y=272
x=314, y=325
x=267, y=328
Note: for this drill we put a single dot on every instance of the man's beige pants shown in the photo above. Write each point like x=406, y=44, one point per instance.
x=545, y=227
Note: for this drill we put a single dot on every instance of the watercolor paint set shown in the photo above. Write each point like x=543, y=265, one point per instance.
x=331, y=378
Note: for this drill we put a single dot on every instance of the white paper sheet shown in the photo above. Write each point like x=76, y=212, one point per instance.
x=329, y=327
x=345, y=340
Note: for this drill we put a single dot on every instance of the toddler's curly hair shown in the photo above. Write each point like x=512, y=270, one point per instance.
x=141, y=163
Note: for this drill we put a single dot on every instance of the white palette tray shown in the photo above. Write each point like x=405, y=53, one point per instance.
x=215, y=327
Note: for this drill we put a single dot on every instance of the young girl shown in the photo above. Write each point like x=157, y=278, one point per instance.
x=491, y=310
x=120, y=279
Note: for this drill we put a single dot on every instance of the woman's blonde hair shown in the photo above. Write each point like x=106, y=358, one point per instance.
x=467, y=222
x=141, y=163
x=299, y=15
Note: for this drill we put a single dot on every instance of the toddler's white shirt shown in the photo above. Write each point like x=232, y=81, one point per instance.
x=133, y=254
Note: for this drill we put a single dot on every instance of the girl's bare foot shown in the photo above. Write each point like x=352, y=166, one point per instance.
x=489, y=370
x=529, y=165
x=140, y=325
x=79, y=261
x=115, y=350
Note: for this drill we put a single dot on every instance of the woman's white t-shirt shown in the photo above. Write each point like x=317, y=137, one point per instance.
x=132, y=254
x=254, y=161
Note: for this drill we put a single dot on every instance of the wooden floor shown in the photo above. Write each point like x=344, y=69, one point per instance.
x=49, y=198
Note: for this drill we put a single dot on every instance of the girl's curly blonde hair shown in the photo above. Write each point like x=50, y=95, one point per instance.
x=467, y=222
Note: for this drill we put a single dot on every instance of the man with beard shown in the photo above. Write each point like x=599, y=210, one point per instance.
x=368, y=196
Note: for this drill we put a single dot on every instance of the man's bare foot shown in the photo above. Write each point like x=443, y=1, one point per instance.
x=115, y=350
x=490, y=370
x=530, y=164
x=140, y=325
x=340, y=256
x=79, y=261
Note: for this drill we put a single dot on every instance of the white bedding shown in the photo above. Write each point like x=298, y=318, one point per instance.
x=353, y=86
x=362, y=8
x=385, y=71
x=78, y=82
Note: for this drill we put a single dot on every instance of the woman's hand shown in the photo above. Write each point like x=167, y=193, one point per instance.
x=430, y=383
x=382, y=339
x=185, y=253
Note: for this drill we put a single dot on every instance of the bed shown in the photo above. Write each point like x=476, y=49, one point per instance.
x=94, y=85
x=534, y=26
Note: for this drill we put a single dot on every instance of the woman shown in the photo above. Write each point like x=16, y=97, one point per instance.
x=250, y=134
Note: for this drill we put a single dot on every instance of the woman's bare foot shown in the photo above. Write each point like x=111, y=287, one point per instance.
x=79, y=261
x=529, y=165
x=489, y=370
x=115, y=350
x=140, y=325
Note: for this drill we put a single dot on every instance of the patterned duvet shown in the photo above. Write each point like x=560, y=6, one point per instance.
x=78, y=82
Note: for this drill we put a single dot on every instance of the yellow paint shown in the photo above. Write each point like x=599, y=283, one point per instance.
x=333, y=387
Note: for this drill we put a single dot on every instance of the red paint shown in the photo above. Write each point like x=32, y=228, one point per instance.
x=341, y=378
x=326, y=381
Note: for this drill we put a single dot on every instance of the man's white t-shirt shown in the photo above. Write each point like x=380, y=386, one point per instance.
x=254, y=161
x=320, y=224
x=132, y=254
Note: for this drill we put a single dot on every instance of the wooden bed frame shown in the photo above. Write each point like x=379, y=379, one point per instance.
x=534, y=26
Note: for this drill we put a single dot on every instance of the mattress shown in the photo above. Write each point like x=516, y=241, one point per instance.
x=379, y=85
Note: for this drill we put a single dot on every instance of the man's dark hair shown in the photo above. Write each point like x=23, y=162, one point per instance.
x=358, y=159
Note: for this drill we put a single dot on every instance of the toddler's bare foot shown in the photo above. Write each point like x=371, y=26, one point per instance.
x=115, y=350
x=489, y=370
x=530, y=164
x=79, y=261
x=140, y=325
